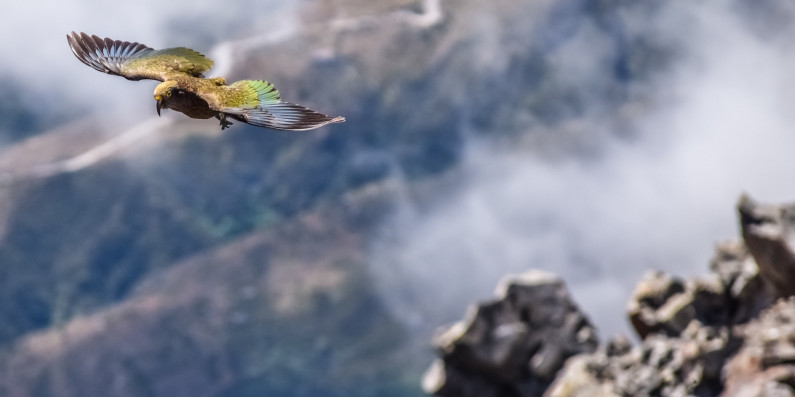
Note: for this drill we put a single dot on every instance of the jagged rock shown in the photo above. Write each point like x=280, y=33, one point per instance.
x=765, y=366
x=733, y=293
x=667, y=305
x=661, y=365
x=651, y=294
x=769, y=234
x=738, y=272
x=513, y=345
x=446, y=380
x=579, y=381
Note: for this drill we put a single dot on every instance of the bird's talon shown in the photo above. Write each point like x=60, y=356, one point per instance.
x=224, y=122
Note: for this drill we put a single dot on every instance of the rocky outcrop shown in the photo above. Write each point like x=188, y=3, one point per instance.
x=765, y=366
x=690, y=364
x=513, y=345
x=769, y=234
x=730, y=333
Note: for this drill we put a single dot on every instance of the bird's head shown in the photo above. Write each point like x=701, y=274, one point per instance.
x=163, y=92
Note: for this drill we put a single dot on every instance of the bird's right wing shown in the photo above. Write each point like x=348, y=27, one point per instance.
x=135, y=61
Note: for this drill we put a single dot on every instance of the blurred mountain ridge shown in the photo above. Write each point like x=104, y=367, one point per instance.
x=189, y=262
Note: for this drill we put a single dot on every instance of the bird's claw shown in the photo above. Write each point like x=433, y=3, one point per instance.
x=224, y=122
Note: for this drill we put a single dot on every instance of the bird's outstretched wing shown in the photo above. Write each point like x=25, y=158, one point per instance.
x=135, y=61
x=258, y=103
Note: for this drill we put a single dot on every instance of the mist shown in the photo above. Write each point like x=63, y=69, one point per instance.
x=718, y=122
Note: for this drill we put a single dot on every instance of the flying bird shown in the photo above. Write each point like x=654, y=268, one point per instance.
x=185, y=89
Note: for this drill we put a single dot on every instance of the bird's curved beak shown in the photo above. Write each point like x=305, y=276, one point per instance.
x=159, y=100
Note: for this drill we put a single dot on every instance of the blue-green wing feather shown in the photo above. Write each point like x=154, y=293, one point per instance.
x=284, y=116
x=259, y=103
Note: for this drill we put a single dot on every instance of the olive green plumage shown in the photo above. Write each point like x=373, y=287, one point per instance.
x=185, y=89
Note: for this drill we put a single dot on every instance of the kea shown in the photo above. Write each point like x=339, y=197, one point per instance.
x=185, y=89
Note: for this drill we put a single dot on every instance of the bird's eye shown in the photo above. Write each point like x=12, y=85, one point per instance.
x=168, y=93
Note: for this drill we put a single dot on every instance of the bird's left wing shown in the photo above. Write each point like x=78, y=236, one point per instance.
x=135, y=61
x=258, y=103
